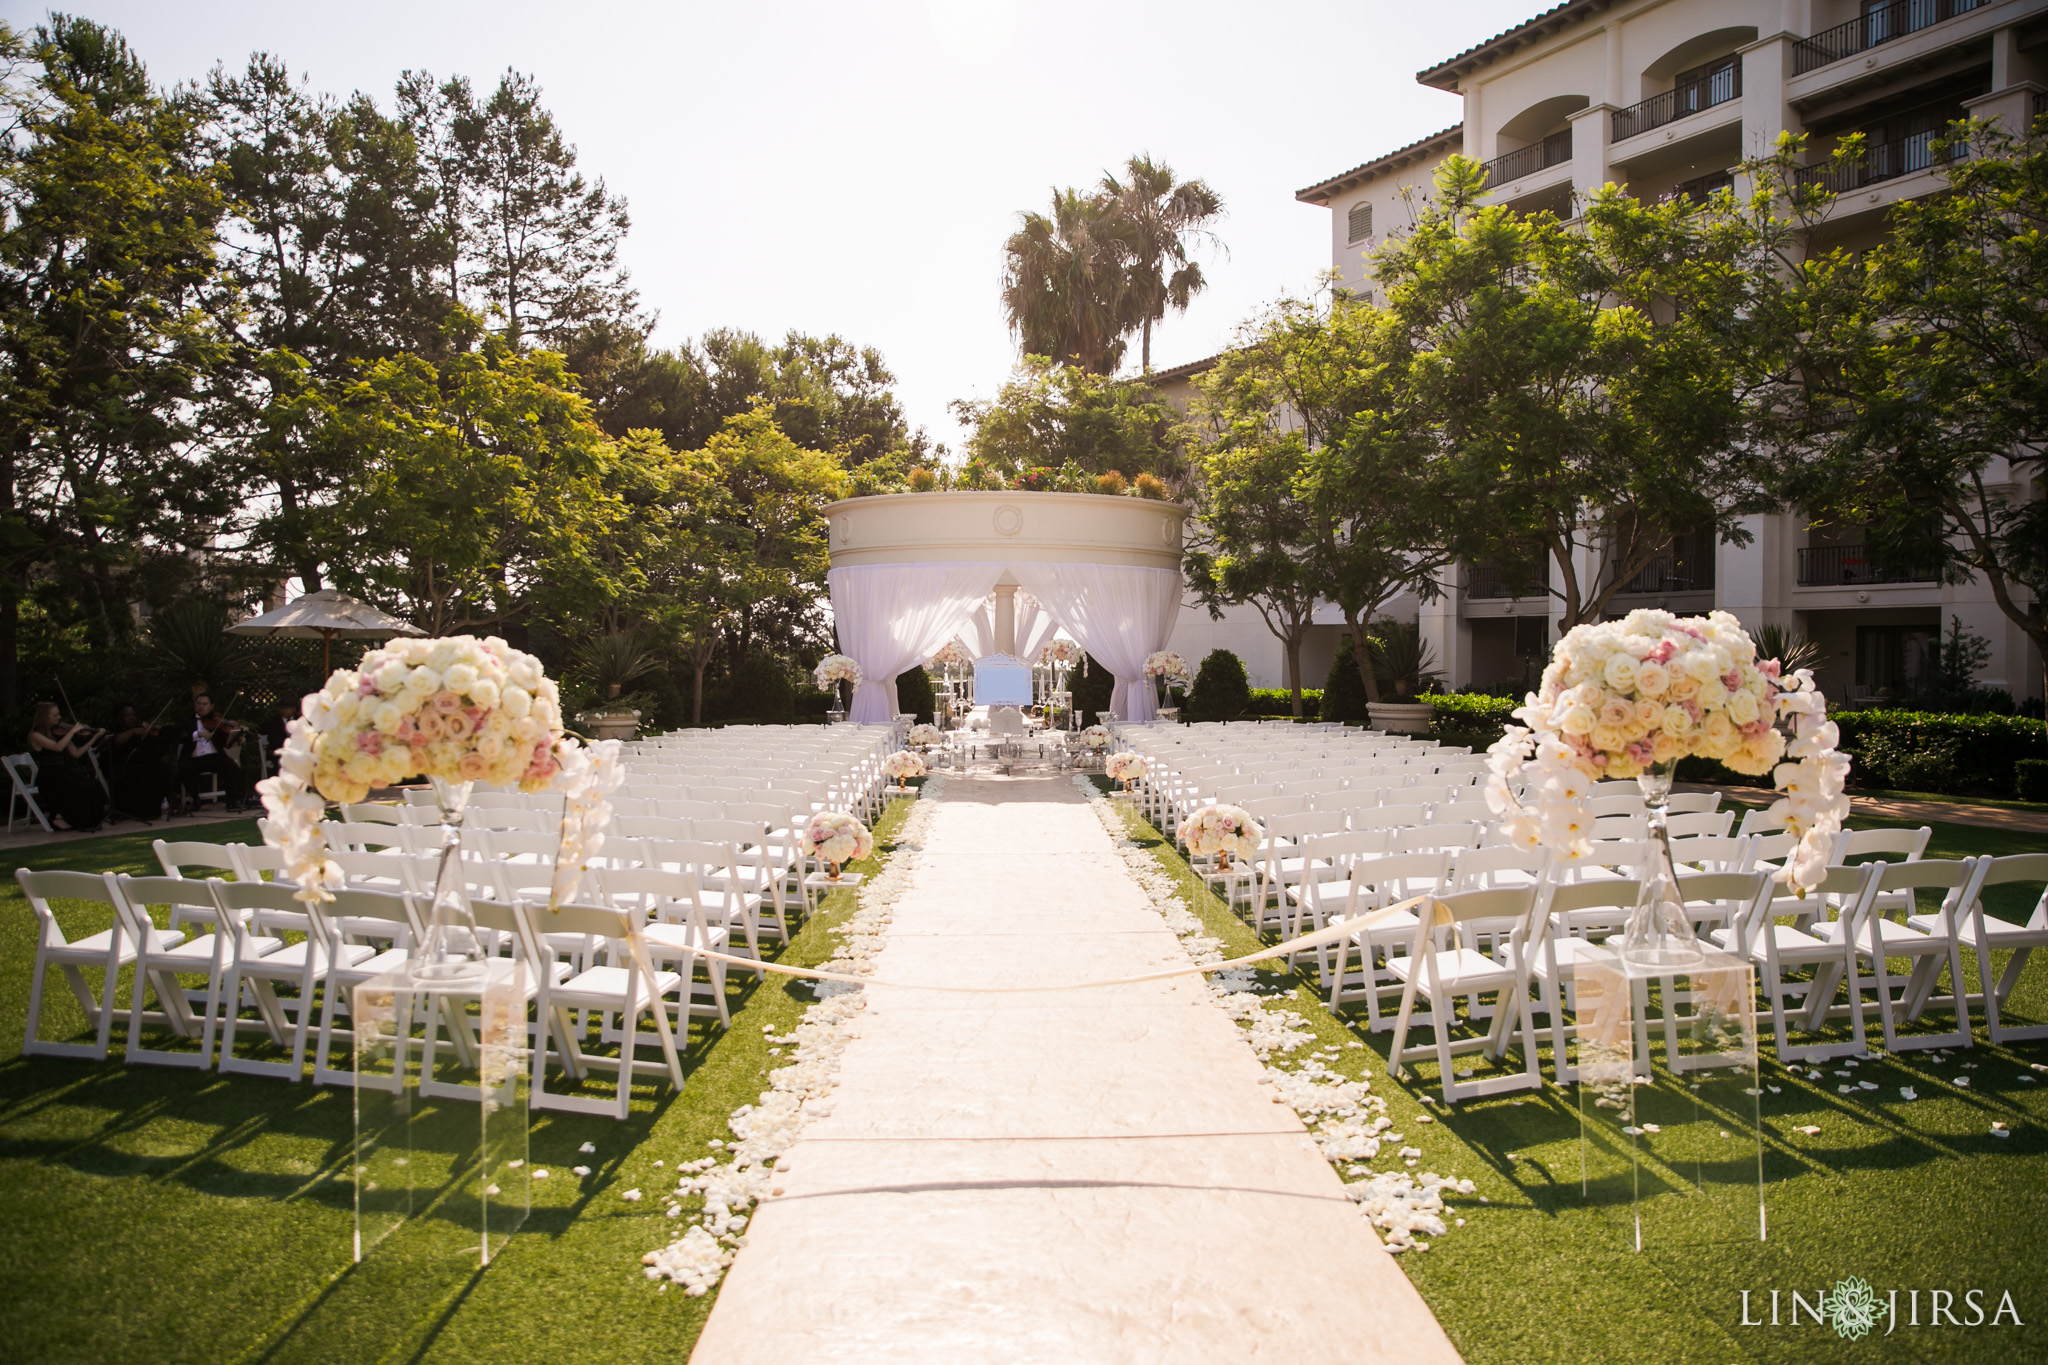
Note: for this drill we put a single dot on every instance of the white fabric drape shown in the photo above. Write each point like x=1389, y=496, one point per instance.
x=891, y=616
x=979, y=634
x=1035, y=625
x=1119, y=614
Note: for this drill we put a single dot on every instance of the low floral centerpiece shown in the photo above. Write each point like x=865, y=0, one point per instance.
x=924, y=736
x=457, y=711
x=1095, y=737
x=1126, y=768
x=1222, y=832
x=1628, y=699
x=901, y=766
x=834, y=837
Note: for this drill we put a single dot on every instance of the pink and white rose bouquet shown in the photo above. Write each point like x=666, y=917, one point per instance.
x=903, y=764
x=834, y=836
x=1126, y=767
x=1621, y=698
x=1059, y=654
x=922, y=735
x=1226, y=830
x=953, y=655
x=1168, y=665
x=1094, y=737
x=837, y=668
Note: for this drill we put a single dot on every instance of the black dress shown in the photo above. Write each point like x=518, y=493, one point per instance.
x=66, y=788
x=139, y=777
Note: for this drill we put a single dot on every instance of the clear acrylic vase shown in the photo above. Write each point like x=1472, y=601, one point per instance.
x=452, y=951
x=1659, y=932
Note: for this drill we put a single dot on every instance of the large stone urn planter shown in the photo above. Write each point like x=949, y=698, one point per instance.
x=616, y=725
x=1401, y=717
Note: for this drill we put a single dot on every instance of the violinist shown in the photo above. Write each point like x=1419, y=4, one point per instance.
x=64, y=778
x=135, y=767
x=207, y=737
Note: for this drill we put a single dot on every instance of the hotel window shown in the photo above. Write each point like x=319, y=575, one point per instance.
x=1361, y=222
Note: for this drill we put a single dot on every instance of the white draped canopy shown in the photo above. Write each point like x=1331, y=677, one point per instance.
x=912, y=571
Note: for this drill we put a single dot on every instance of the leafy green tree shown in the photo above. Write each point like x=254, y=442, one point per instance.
x=1053, y=415
x=1589, y=384
x=1160, y=221
x=1320, y=453
x=107, y=341
x=1930, y=407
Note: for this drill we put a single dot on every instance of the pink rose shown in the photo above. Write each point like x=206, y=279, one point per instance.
x=456, y=726
x=447, y=703
x=370, y=742
x=366, y=686
x=472, y=767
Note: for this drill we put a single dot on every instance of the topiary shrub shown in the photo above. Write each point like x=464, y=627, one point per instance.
x=1221, y=690
x=1344, y=691
x=914, y=694
x=2030, y=779
x=1092, y=685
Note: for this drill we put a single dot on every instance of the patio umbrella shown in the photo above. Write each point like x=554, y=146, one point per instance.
x=325, y=614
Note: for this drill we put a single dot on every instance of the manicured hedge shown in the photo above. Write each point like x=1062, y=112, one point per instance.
x=1948, y=754
x=1278, y=701
x=1471, y=720
x=2031, y=779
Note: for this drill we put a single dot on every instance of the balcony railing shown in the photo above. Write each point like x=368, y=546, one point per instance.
x=1879, y=24
x=1674, y=573
x=1537, y=156
x=1716, y=87
x=1883, y=161
x=1489, y=582
x=1830, y=566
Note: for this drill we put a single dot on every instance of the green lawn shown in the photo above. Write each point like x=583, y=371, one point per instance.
x=148, y=1213
x=1906, y=1195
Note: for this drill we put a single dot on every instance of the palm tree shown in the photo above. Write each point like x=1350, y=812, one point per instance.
x=1064, y=293
x=1158, y=222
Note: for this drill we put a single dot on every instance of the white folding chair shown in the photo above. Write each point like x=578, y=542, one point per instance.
x=21, y=774
x=665, y=905
x=1877, y=939
x=1778, y=950
x=164, y=956
x=106, y=951
x=399, y=913
x=1441, y=974
x=1375, y=884
x=263, y=967
x=1985, y=934
x=627, y=985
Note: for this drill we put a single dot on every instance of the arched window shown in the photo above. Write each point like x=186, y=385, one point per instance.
x=1361, y=222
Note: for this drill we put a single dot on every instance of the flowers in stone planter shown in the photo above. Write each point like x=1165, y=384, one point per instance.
x=834, y=836
x=459, y=709
x=954, y=655
x=1624, y=697
x=1059, y=654
x=837, y=668
x=922, y=735
x=1125, y=767
x=902, y=765
x=1094, y=737
x=1226, y=830
x=1168, y=665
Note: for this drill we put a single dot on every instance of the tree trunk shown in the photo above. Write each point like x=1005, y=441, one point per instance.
x=10, y=650
x=698, y=663
x=1361, y=655
x=1292, y=645
x=1145, y=361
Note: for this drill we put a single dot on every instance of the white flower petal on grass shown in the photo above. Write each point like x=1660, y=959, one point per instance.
x=630, y=1196
x=580, y=1170
x=1808, y=1129
x=588, y=1149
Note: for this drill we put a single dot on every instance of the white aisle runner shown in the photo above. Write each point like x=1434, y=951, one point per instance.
x=1079, y=1176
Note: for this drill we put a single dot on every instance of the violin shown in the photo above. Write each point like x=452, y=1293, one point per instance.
x=218, y=727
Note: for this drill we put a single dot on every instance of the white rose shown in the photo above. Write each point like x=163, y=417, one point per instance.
x=484, y=693
x=442, y=654
x=1742, y=708
x=424, y=680
x=391, y=676
x=459, y=677
x=1699, y=663
x=346, y=706
x=524, y=673
x=1576, y=720
x=1677, y=722
x=385, y=717
x=1652, y=679
x=1621, y=672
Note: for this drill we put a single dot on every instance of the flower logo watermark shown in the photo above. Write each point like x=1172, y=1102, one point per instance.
x=1852, y=1309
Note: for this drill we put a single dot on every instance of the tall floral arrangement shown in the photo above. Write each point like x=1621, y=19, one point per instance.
x=458, y=709
x=1622, y=698
x=837, y=668
x=1167, y=665
x=1059, y=654
x=953, y=655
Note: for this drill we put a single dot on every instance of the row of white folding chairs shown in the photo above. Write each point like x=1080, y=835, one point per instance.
x=597, y=973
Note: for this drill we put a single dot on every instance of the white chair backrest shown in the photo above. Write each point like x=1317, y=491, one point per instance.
x=206, y=860
x=1908, y=844
x=1699, y=822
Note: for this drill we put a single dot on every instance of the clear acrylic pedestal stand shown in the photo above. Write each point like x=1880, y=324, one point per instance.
x=1681, y=1149
x=441, y=1074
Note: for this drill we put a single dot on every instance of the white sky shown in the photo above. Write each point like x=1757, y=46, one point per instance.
x=855, y=167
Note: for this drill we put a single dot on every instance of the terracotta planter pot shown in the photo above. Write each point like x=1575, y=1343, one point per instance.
x=1401, y=717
